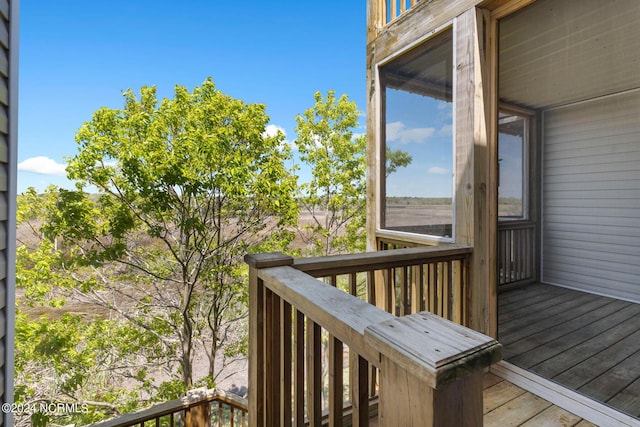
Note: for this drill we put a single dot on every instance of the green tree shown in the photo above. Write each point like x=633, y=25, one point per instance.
x=396, y=159
x=334, y=198
x=185, y=187
x=64, y=353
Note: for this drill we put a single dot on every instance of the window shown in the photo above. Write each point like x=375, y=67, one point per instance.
x=512, y=182
x=418, y=120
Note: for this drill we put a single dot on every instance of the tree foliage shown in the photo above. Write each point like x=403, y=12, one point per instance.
x=183, y=188
x=334, y=198
x=126, y=279
x=396, y=159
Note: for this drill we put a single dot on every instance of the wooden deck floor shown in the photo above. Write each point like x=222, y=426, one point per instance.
x=508, y=405
x=585, y=342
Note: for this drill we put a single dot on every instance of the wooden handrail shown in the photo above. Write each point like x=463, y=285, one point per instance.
x=181, y=407
x=419, y=356
x=370, y=261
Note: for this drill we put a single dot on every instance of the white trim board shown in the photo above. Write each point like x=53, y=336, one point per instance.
x=576, y=403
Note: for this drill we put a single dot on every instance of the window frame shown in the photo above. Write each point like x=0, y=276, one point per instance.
x=380, y=146
x=529, y=117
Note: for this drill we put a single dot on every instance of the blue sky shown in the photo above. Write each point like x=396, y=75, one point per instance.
x=77, y=56
x=421, y=126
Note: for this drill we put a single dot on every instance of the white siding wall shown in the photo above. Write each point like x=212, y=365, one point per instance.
x=591, y=196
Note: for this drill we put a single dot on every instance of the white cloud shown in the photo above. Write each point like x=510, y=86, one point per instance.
x=397, y=131
x=446, y=130
x=42, y=165
x=438, y=170
x=272, y=130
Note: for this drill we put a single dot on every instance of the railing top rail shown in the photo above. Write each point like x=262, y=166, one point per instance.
x=173, y=406
x=370, y=261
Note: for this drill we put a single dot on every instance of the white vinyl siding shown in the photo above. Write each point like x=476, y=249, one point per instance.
x=591, y=196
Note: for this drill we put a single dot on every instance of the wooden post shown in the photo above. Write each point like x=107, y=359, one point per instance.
x=406, y=400
x=257, y=338
x=430, y=371
x=199, y=415
x=477, y=161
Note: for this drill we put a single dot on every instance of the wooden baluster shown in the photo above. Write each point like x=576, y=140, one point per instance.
x=272, y=358
x=449, y=286
x=389, y=288
x=298, y=369
x=530, y=248
x=417, y=288
x=358, y=384
x=314, y=374
x=443, y=288
x=220, y=414
x=371, y=287
x=434, y=285
x=501, y=260
x=256, y=348
x=336, y=382
x=403, y=6
x=232, y=416
x=333, y=280
x=404, y=291
x=509, y=257
x=353, y=284
x=285, y=363
x=466, y=294
x=524, y=253
x=456, y=313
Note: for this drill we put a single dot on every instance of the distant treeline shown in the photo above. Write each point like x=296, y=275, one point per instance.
x=418, y=201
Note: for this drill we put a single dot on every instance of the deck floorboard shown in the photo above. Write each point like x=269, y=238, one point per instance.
x=588, y=343
x=508, y=405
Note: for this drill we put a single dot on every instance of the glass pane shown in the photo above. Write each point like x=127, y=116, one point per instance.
x=511, y=149
x=419, y=122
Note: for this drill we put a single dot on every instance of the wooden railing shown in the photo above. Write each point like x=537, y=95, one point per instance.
x=200, y=408
x=389, y=10
x=312, y=345
x=402, y=281
x=516, y=252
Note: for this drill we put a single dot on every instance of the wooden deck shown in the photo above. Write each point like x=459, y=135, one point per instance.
x=585, y=342
x=508, y=405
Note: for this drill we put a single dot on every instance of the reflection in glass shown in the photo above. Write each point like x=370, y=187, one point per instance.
x=418, y=115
